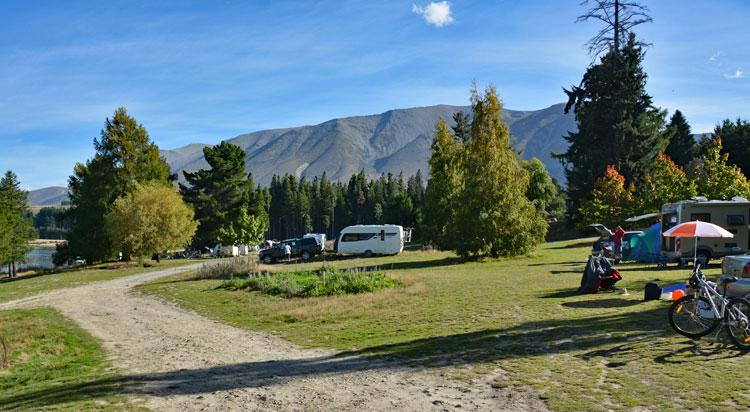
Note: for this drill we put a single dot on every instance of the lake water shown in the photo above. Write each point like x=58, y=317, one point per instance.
x=38, y=257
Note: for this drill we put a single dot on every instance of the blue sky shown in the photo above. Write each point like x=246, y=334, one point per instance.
x=198, y=71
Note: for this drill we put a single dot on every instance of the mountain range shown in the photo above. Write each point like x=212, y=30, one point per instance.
x=395, y=141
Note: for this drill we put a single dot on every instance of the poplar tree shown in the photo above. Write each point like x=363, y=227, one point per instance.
x=16, y=228
x=124, y=156
x=442, y=188
x=494, y=217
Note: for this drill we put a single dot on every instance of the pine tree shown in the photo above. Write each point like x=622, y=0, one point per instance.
x=442, y=188
x=494, y=217
x=735, y=138
x=617, y=124
x=16, y=228
x=682, y=146
x=227, y=205
x=462, y=127
x=124, y=157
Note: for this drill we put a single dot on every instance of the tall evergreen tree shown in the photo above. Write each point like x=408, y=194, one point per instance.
x=442, y=188
x=735, y=137
x=229, y=208
x=462, y=128
x=124, y=156
x=682, y=146
x=617, y=124
x=16, y=228
x=494, y=217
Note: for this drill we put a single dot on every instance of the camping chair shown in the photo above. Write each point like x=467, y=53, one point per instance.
x=660, y=260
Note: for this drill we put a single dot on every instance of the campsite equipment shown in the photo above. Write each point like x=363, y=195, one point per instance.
x=700, y=312
x=730, y=214
x=677, y=294
x=668, y=292
x=599, y=274
x=697, y=229
x=652, y=291
x=371, y=240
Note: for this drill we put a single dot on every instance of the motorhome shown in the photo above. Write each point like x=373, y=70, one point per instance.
x=371, y=240
x=733, y=215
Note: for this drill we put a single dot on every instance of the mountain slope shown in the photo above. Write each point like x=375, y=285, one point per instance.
x=394, y=141
x=48, y=196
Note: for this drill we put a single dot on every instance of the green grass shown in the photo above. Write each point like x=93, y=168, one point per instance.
x=11, y=289
x=518, y=322
x=325, y=281
x=54, y=365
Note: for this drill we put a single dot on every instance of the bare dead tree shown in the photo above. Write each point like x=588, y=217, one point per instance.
x=619, y=18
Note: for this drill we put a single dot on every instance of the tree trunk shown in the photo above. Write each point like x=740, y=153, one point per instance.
x=617, y=25
x=13, y=264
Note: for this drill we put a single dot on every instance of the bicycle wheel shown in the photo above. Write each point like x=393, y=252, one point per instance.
x=692, y=317
x=738, y=322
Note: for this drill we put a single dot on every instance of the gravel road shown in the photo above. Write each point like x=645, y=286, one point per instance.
x=177, y=360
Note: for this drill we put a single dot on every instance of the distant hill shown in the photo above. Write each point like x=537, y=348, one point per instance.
x=394, y=141
x=48, y=196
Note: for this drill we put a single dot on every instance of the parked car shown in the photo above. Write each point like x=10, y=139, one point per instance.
x=738, y=265
x=305, y=248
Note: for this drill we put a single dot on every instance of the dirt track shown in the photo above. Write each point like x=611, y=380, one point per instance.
x=184, y=361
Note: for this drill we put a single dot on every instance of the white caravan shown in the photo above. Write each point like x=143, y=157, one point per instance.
x=371, y=240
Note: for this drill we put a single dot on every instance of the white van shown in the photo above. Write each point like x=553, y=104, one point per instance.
x=371, y=240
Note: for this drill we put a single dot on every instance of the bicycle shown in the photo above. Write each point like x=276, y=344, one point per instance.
x=703, y=309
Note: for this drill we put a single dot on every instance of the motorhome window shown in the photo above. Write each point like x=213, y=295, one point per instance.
x=703, y=217
x=735, y=220
x=367, y=236
x=350, y=237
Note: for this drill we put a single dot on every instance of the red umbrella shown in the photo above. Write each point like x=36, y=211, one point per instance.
x=697, y=229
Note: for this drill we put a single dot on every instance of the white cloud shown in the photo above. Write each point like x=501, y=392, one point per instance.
x=436, y=13
x=715, y=56
x=738, y=74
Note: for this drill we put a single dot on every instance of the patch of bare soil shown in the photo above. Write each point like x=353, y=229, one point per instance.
x=176, y=360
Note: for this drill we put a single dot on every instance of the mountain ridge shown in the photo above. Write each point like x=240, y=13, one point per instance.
x=395, y=141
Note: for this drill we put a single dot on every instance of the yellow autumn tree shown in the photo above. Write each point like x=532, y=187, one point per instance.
x=666, y=183
x=150, y=219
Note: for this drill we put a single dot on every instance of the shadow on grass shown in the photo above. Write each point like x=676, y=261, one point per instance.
x=602, y=303
x=618, y=338
x=585, y=243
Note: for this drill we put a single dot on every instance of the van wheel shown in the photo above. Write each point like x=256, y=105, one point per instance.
x=368, y=253
x=267, y=260
x=305, y=256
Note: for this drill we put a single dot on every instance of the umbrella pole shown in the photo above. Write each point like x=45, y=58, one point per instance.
x=695, y=251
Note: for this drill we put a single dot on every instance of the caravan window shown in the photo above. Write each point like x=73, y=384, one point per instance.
x=703, y=217
x=355, y=237
x=735, y=220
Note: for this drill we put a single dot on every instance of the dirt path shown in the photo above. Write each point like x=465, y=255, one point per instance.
x=187, y=362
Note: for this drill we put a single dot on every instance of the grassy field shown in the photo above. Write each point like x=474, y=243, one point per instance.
x=50, y=352
x=27, y=285
x=518, y=322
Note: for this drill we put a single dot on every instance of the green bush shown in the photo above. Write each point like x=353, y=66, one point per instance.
x=325, y=281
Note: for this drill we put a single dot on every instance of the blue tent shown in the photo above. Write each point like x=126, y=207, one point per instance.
x=646, y=246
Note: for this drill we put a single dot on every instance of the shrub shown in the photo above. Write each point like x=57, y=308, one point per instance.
x=325, y=281
x=227, y=269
